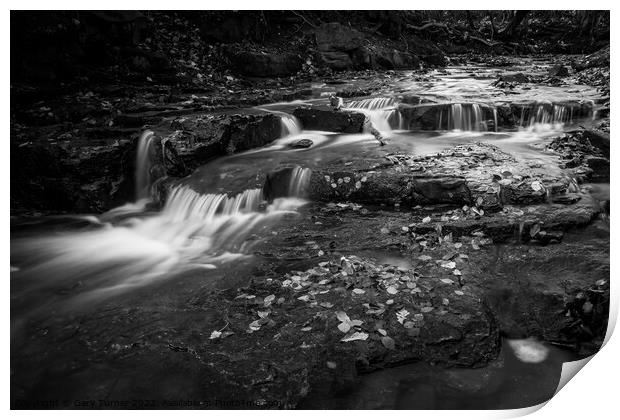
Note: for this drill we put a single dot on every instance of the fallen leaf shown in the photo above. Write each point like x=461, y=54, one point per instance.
x=388, y=343
x=458, y=292
x=342, y=316
x=356, y=336
x=331, y=365
x=448, y=264
x=358, y=291
x=427, y=219
x=382, y=331
x=392, y=290
x=269, y=300
x=402, y=315
x=214, y=335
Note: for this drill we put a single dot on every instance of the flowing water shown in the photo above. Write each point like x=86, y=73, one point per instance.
x=210, y=217
x=216, y=215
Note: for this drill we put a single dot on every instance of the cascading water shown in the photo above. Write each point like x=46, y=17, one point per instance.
x=381, y=112
x=300, y=177
x=549, y=113
x=290, y=125
x=192, y=231
x=143, y=164
x=464, y=117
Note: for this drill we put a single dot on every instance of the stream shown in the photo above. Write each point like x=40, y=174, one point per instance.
x=216, y=228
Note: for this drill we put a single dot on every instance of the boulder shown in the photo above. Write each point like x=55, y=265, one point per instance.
x=337, y=37
x=326, y=119
x=200, y=138
x=81, y=177
x=301, y=144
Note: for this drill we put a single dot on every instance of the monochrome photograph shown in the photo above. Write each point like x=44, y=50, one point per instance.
x=306, y=209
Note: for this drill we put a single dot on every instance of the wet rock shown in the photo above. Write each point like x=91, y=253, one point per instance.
x=514, y=78
x=269, y=343
x=474, y=174
x=597, y=59
x=518, y=222
x=558, y=71
x=326, y=119
x=200, y=138
x=531, y=298
x=301, y=144
x=585, y=152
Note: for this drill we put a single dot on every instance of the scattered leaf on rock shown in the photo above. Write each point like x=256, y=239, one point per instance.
x=388, y=343
x=356, y=336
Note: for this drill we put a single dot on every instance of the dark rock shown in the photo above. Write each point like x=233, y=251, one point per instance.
x=200, y=138
x=326, y=119
x=458, y=176
x=260, y=64
x=337, y=37
x=598, y=139
x=301, y=144
x=558, y=71
x=597, y=59
x=294, y=349
x=336, y=44
x=514, y=78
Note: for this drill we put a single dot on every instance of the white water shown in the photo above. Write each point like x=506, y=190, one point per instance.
x=192, y=231
x=143, y=164
x=546, y=113
x=128, y=247
x=529, y=350
x=464, y=117
x=290, y=125
x=381, y=112
x=299, y=181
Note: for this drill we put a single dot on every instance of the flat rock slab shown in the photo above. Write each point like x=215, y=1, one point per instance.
x=268, y=343
x=324, y=118
x=556, y=288
x=475, y=174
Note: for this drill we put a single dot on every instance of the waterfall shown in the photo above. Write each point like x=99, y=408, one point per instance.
x=546, y=113
x=143, y=164
x=300, y=177
x=464, y=117
x=381, y=112
x=193, y=231
x=495, y=119
x=185, y=204
x=290, y=124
